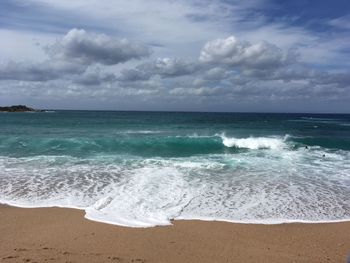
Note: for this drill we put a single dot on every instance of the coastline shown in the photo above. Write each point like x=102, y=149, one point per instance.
x=64, y=235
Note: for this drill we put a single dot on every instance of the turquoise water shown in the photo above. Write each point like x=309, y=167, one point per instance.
x=143, y=169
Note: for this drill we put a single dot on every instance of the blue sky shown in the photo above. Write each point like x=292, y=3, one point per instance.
x=196, y=55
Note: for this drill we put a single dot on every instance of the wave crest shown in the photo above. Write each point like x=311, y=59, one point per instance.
x=254, y=143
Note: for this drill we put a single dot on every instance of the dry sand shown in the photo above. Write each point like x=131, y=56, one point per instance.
x=63, y=235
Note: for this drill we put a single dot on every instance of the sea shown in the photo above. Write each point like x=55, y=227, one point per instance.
x=145, y=169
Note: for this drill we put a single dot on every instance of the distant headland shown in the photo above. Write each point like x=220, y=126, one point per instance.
x=18, y=108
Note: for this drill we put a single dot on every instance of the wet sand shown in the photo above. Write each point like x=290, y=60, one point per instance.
x=64, y=235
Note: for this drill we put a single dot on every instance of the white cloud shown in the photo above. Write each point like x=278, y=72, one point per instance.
x=216, y=73
x=87, y=48
x=167, y=67
x=201, y=91
x=233, y=52
x=163, y=67
x=341, y=22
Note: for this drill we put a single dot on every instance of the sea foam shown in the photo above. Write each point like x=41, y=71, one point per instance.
x=257, y=186
x=254, y=143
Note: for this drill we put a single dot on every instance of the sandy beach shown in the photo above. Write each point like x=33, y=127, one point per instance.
x=64, y=235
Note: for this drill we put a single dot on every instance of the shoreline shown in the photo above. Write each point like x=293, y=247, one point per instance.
x=204, y=219
x=64, y=235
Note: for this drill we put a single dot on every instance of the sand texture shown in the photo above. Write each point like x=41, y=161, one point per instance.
x=64, y=235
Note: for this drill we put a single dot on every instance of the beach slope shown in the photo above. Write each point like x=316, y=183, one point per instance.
x=64, y=235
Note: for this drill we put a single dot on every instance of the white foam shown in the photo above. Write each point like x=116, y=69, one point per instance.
x=272, y=186
x=254, y=143
x=319, y=120
x=148, y=198
x=139, y=132
x=196, y=136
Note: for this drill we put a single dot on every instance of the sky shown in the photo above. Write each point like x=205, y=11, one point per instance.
x=184, y=55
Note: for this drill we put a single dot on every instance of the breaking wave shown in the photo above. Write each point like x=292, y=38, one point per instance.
x=142, y=145
x=255, y=143
x=270, y=186
x=145, y=169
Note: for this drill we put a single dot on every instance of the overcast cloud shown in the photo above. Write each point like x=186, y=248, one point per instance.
x=259, y=55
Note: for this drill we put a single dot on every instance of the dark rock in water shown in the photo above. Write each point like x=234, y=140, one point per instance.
x=18, y=108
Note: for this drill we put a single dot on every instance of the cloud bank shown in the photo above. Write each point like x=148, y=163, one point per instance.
x=166, y=55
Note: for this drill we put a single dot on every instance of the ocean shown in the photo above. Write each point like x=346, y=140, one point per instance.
x=144, y=169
